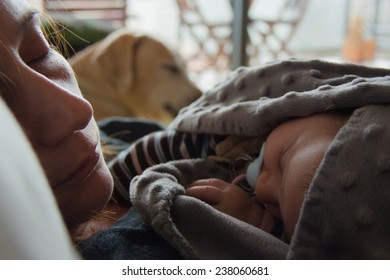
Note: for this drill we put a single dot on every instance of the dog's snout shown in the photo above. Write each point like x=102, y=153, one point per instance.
x=197, y=94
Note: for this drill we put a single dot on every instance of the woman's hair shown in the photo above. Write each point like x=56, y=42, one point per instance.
x=92, y=226
x=54, y=34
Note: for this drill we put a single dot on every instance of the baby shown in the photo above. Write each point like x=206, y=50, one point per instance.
x=280, y=176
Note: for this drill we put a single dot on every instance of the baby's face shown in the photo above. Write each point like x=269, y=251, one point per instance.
x=293, y=152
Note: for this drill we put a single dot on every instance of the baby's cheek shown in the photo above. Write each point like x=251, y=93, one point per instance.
x=291, y=211
x=268, y=222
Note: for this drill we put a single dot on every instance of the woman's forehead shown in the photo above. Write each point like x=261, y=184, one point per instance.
x=13, y=15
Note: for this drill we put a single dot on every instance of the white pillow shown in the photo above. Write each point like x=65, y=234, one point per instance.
x=31, y=226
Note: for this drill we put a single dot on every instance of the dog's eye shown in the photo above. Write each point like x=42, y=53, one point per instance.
x=171, y=68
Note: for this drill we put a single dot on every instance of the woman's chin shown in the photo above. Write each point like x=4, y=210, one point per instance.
x=80, y=203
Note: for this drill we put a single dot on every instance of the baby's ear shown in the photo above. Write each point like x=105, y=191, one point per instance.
x=114, y=58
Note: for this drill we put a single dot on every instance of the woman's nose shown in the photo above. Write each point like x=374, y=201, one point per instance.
x=55, y=110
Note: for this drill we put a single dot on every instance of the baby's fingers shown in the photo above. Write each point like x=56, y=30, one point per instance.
x=209, y=194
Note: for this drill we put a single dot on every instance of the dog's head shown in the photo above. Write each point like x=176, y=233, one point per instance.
x=145, y=74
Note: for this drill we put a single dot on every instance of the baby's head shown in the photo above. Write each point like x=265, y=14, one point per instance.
x=291, y=155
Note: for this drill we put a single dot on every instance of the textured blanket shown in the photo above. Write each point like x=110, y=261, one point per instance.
x=346, y=211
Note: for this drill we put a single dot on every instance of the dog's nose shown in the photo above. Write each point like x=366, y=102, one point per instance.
x=197, y=92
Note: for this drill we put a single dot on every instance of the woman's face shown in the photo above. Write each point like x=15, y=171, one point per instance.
x=293, y=152
x=45, y=98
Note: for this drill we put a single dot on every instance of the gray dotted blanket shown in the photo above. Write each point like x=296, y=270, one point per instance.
x=346, y=211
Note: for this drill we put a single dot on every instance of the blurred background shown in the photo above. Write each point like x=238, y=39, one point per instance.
x=216, y=36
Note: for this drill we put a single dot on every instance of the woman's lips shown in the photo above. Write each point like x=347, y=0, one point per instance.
x=84, y=170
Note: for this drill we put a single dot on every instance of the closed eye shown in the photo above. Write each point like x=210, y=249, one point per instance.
x=281, y=156
x=34, y=46
x=171, y=68
x=40, y=59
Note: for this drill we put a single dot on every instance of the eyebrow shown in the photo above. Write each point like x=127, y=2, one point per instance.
x=26, y=19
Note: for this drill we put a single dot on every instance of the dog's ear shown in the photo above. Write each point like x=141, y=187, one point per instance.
x=114, y=56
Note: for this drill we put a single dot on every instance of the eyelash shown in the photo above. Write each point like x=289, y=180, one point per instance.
x=40, y=59
x=41, y=48
x=280, y=157
x=171, y=68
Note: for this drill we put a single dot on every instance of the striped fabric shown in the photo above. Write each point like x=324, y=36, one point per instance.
x=164, y=146
x=155, y=148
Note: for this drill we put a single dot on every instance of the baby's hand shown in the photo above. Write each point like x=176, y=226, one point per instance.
x=227, y=198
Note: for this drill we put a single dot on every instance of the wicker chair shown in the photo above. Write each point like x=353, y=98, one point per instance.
x=264, y=36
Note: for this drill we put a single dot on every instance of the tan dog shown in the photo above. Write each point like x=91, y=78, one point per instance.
x=133, y=76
